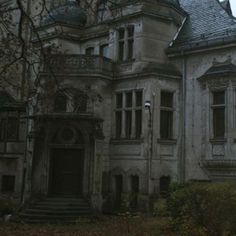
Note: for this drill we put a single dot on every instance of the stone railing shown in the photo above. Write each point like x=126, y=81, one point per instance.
x=78, y=64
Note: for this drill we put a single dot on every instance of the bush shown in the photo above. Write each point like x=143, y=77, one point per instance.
x=207, y=208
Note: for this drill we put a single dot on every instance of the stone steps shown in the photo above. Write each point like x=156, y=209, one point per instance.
x=57, y=210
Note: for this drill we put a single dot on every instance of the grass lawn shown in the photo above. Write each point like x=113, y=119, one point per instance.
x=104, y=225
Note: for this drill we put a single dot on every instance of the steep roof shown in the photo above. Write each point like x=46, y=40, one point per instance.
x=207, y=21
x=226, y=5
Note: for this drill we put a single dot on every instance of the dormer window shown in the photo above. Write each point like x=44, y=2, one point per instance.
x=126, y=43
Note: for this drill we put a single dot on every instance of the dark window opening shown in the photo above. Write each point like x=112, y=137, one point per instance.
x=138, y=123
x=128, y=123
x=118, y=190
x=130, y=49
x=121, y=33
x=9, y=128
x=89, y=51
x=164, y=185
x=119, y=100
x=104, y=49
x=166, y=126
x=105, y=182
x=219, y=122
x=139, y=98
x=128, y=99
x=8, y=183
x=218, y=113
x=80, y=102
x=166, y=99
x=218, y=98
x=134, y=181
x=121, y=50
x=166, y=115
x=130, y=30
x=118, y=124
x=60, y=103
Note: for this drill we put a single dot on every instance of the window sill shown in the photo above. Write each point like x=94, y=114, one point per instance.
x=167, y=141
x=126, y=141
x=218, y=140
x=125, y=62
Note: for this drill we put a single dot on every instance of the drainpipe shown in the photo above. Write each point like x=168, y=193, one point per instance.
x=24, y=77
x=182, y=164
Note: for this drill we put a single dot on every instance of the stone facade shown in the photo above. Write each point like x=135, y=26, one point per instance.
x=88, y=106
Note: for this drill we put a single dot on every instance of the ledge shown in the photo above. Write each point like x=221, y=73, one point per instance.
x=167, y=141
x=218, y=141
x=219, y=164
x=126, y=141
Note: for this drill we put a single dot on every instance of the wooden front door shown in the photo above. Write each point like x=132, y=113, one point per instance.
x=66, y=178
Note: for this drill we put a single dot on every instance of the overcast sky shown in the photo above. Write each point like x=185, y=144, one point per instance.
x=233, y=5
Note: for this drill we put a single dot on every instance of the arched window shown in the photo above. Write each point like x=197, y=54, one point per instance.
x=60, y=103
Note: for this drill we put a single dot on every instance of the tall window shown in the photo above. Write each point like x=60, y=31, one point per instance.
x=9, y=128
x=166, y=115
x=119, y=106
x=138, y=113
x=218, y=114
x=130, y=42
x=128, y=114
x=126, y=43
x=121, y=44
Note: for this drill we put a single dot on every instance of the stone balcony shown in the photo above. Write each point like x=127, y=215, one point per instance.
x=220, y=164
x=78, y=64
x=220, y=169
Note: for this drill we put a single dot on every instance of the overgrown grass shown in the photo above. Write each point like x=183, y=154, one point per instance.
x=104, y=226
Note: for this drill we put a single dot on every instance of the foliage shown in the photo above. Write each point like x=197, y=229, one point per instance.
x=103, y=226
x=160, y=207
x=204, y=209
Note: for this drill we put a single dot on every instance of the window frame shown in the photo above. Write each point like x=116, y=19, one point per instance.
x=215, y=107
x=128, y=111
x=170, y=109
x=126, y=51
x=4, y=126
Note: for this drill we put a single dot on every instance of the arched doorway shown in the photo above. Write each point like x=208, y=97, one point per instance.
x=67, y=163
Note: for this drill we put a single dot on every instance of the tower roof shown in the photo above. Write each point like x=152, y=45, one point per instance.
x=69, y=13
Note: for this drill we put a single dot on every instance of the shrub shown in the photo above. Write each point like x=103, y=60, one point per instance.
x=208, y=207
x=160, y=207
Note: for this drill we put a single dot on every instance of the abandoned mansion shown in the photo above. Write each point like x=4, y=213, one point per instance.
x=127, y=97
